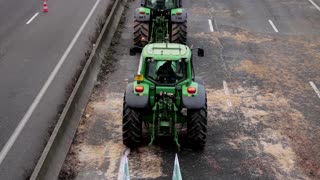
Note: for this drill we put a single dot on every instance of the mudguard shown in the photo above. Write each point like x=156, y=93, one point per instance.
x=133, y=100
x=142, y=17
x=178, y=18
x=198, y=80
x=195, y=102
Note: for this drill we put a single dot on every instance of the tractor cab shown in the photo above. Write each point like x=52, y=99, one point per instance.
x=166, y=72
x=166, y=63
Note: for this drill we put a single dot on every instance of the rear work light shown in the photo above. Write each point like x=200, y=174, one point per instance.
x=191, y=90
x=142, y=12
x=179, y=13
x=139, y=89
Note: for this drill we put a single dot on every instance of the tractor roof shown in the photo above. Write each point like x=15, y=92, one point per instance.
x=166, y=51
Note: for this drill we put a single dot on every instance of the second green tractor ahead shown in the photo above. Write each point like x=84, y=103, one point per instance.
x=165, y=94
x=157, y=20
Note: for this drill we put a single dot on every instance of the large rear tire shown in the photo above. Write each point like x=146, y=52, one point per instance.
x=197, y=127
x=131, y=127
x=141, y=30
x=179, y=33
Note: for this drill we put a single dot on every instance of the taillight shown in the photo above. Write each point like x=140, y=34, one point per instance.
x=179, y=13
x=191, y=90
x=139, y=89
x=141, y=12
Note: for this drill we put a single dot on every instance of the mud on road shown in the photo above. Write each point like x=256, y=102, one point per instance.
x=263, y=114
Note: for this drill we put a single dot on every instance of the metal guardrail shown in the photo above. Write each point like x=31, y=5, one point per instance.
x=54, y=154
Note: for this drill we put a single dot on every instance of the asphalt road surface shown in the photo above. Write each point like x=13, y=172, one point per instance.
x=31, y=45
x=261, y=72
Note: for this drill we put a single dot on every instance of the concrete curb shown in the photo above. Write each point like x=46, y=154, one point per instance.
x=54, y=154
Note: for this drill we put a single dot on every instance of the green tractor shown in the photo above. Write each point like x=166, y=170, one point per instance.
x=164, y=95
x=157, y=20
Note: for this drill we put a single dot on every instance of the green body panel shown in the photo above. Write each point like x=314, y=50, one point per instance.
x=175, y=11
x=167, y=89
x=147, y=11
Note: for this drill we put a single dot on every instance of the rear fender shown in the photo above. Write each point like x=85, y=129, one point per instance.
x=178, y=18
x=134, y=100
x=195, y=102
x=142, y=14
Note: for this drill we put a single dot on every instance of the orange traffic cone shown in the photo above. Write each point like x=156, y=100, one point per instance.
x=45, y=6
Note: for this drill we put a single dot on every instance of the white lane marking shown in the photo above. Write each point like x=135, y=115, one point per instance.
x=315, y=88
x=227, y=92
x=314, y=4
x=210, y=25
x=43, y=90
x=124, y=160
x=32, y=18
x=273, y=26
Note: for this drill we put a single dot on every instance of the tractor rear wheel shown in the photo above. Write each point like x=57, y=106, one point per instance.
x=141, y=33
x=179, y=33
x=197, y=127
x=131, y=127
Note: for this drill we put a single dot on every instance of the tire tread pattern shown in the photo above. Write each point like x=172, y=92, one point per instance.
x=179, y=33
x=131, y=127
x=141, y=29
x=197, y=127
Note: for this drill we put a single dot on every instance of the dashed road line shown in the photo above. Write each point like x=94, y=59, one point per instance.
x=315, y=88
x=210, y=25
x=32, y=18
x=44, y=88
x=227, y=92
x=273, y=26
x=314, y=4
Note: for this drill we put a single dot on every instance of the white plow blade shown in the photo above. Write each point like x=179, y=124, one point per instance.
x=124, y=167
x=176, y=170
x=126, y=175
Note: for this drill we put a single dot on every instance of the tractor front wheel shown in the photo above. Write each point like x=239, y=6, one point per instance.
x=141, y=33
x=131, y=127
x=179, y=33
x=197, y=128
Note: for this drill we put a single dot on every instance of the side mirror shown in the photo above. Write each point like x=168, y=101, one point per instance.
x=133, y=51
x=200, y=52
